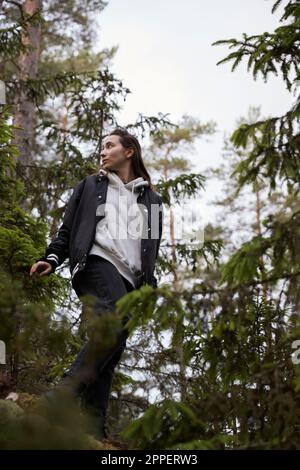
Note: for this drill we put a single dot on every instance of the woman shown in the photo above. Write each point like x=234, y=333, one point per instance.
x=109, y=257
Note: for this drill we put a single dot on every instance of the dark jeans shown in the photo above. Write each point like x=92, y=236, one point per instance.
x=94, y=375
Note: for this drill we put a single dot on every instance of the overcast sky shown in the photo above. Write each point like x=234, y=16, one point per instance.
x=166, y=59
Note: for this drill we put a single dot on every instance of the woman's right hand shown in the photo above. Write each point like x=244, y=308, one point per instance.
x=40, y=268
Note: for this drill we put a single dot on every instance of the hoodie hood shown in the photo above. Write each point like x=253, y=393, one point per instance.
x=132, y=186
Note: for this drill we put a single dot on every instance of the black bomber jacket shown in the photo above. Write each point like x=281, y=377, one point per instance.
x=76, y=235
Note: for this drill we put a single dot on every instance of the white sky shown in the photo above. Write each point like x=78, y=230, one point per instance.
x=166, y=59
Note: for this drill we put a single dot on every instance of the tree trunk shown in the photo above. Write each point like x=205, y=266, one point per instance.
x=28, y=60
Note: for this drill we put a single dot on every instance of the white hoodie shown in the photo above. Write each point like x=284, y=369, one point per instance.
x=115, y=238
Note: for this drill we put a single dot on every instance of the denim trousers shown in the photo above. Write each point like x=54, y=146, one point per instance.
x=101, y=280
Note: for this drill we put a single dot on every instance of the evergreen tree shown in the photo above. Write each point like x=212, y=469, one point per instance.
x=243, y=387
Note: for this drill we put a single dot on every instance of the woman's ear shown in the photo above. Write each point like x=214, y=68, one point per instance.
x=129, y=153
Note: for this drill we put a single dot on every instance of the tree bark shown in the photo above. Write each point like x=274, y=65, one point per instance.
x=25, y=114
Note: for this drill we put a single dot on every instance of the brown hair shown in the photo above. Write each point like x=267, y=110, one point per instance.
x=130, y=141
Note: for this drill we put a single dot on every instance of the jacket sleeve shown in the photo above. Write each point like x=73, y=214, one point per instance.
x=161, y=221
x=58, y=249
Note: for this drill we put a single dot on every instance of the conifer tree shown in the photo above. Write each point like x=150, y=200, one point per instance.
x=243, y=388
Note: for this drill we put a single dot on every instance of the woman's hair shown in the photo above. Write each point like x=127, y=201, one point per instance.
x=129, y=141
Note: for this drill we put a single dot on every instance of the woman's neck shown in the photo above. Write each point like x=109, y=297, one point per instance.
x=125, y=175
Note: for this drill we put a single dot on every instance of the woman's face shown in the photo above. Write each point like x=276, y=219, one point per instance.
x=113, y=155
